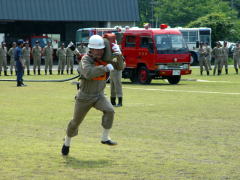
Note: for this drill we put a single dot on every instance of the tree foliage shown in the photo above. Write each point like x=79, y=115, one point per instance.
x=223, y=27
x=220, y=15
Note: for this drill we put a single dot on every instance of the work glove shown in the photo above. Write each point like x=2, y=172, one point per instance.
x=110, y=67
x=73, y=48
x=116, y=49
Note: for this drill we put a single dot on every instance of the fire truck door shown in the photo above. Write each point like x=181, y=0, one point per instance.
x=146, y=51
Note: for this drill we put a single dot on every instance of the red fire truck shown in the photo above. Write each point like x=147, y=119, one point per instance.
x=150, y=53
x=155, y=54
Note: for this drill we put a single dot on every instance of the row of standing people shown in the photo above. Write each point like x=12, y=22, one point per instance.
x=220, y=54
x=65, y=58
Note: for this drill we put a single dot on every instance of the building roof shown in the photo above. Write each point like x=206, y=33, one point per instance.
x=69, y=10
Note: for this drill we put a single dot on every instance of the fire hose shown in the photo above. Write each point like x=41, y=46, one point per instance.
x=53, y=80
x=50, y=80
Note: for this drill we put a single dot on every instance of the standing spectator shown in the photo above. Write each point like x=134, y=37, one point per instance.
x=3, y=58
x=225, y=56
x=208, y=55
x=26, y=51
x=236, y=57
x=48, y=53
x=11, y=53
x=217, y=53
x=19, y=63
x=202, y=59
x=70, y=60
x=36, y=52
x=61, y=54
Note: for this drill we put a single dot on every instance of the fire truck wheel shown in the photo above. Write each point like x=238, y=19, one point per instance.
x=143, y=76
x=174, y=79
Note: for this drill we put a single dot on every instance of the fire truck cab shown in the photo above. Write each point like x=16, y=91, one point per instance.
x=159, y=53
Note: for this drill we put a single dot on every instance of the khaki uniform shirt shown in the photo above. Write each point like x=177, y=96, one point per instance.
x=11, y=53
x=69, y=52
x=202, y=52
x=61, y=52
x=36, y=51
x=88, y=71
x=225, y=51
x=3, y=51
x=236, y=52
x=217, y=52
x=48, y=51
x=26, y=52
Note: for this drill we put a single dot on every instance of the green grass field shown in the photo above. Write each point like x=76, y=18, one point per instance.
x=184, y=131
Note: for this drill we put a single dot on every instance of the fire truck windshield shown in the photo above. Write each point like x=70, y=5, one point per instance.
x=170, y=44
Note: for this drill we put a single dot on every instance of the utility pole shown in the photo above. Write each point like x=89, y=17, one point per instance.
x=232, y=4
x=152, y=20
x=153, y=3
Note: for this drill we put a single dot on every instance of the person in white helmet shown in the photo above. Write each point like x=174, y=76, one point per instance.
x=91, y=93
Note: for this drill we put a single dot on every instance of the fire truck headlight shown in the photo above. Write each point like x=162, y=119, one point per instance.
x=185, y=66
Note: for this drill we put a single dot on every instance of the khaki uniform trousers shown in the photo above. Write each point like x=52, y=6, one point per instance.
x=70, y=60
x=203, y=62
x=236, y=60
x=48, y=62
x=36, y=62
x=116, y=84
x=61, y=63
x=208, y=58
x=3, y=63
x=27, y=62
x=225, y=62
x=218, y=63
x=83, y=104
x=12, y=64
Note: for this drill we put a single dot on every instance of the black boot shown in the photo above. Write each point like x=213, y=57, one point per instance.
x=39, y=72
x=0, y=73
x=62, y=72
x=71, y=71
x=34, y=72
x=201, y=72
x=119, y=102
x=5, y=73
x=28, y=72
x=226, y=70
x=45, y=72
x=208, y=73
x=113, y=101
x=219, y=72
x=214, y=72
x=11, y=72
x=50, y=72
x=19, y=84
x=67, y=71
x=236, y=71
x=58, y=72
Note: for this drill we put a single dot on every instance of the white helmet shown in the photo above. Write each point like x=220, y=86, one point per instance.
x=96, y=42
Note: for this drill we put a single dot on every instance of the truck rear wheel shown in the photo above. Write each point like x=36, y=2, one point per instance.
x=174, y=79
x=144, y=76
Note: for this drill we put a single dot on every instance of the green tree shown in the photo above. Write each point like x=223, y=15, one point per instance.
x=223, y=27
x=182, y=12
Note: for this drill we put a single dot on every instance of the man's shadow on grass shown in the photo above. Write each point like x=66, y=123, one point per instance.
x=76, y=163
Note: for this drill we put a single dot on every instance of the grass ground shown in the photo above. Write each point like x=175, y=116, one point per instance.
x=184, y=131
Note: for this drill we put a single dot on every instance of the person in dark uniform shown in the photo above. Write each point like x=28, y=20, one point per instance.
x=19, y=62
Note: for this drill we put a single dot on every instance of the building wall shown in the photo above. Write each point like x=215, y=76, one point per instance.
x=67, y=30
